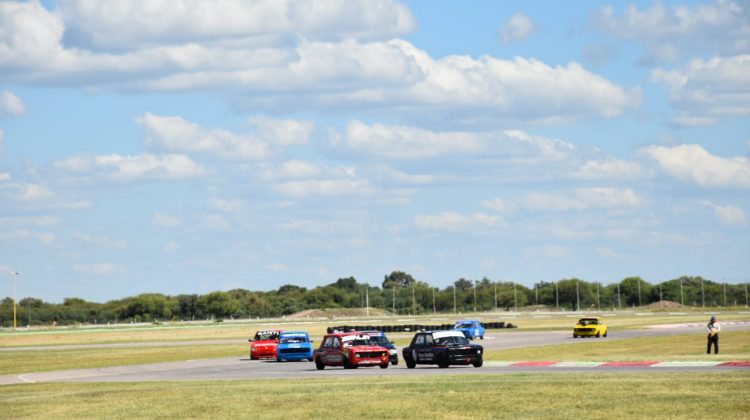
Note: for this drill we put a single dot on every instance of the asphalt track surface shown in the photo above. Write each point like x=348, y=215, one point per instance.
x=245, y=369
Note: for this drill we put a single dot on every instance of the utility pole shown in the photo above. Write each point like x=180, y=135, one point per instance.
x=475, y=295
x=619, y=302
x=639, y=292
x=515, y=300
x=682, y=301
x=15, y=275
x=660, y=299
x=393, y=290
x=367, y=301
x=495, y=284
x=434, y=308
x=725, y=294
x=703, y=294
x=597, y=296
x=578, y=299
x=413, y=300
x=557, y=298
x=536, y=295
x=454, y=299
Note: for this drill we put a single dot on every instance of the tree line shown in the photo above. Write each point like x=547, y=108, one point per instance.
x=399, y=293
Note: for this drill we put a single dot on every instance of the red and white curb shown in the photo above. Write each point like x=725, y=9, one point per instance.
x=738, y=364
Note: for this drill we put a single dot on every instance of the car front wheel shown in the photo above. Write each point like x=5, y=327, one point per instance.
x=411, y=364
x=319, y=364
x=443, y=361
x=477, y=362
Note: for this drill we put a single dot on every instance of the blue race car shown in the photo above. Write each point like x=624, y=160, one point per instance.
x=294, y=345
x=471, y=328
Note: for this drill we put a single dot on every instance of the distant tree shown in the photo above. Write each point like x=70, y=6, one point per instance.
x=398, y=279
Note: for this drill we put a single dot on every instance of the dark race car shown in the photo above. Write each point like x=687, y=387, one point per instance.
x=442, y=348
x=379, y=339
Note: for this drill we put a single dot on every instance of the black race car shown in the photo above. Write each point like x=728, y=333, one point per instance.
x=442, y=348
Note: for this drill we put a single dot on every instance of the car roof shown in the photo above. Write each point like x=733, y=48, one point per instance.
x=294, y=333
x=445, y=333
x=467, y=320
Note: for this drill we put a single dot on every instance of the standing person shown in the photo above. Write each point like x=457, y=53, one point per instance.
x=713, y=328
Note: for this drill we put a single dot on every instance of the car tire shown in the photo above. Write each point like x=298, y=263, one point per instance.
x=481, y=337
x=278, y=359
x=477, y=363
x=574, y=335
x=605, y=333
x=347, y=365
x=411, y=364
x=310, y=359
x=319, y=364
x=442, y=361
x=384, y=365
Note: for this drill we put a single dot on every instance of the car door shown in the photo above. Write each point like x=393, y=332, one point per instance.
x=417, y=347
x=426, y=353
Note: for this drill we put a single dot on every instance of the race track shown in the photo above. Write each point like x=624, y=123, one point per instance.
x=245, y=369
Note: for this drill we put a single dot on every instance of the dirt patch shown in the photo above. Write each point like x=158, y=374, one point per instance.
x=664, y=304
x=338, y=313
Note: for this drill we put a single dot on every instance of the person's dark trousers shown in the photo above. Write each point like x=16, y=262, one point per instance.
x=713, y=339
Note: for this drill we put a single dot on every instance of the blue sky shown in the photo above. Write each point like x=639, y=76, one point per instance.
x=188, y=146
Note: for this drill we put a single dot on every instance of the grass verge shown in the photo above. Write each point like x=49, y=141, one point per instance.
x=735, y=345
x=560, y=395
x=43, y=361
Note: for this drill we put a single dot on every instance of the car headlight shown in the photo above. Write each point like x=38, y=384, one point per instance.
x=393, y=351
x=479, y=351
x=356, y=354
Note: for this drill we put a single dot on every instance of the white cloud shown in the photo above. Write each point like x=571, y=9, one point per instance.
x=609, y=168
x=174, y=134
x=171, y=247
x=132, y=168
x=516, y=28
x=124, y=24
x=325, y=188
x=718, y=27
x=410, y=143
x=263, y=73
x=11, y=105
x=100, y=241
x=456, y=222
x=728, y=215
x=691, y=162
x=98, y=269
x=282, y=132
x=216, y=221
x=706, y=90
x=584, y=199
x=294, y=169
x=163, y=220
x=16, y=235
x=499, y=205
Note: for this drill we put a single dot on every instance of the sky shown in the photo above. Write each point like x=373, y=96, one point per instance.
x=191, y=146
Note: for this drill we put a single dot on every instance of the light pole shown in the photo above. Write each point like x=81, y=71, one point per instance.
x=557, y=298
x=15, y=275
x=454, y=298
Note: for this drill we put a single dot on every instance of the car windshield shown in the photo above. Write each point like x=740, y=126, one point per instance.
x=360, y=342
x=463, y=325
x=266, y=335
x=445, y=341
x=586, y=321
x=293, y=339
x=379, y=339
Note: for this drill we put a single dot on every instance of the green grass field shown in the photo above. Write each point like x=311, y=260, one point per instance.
x=735, y=345
x=603, y=394
x=711, y=395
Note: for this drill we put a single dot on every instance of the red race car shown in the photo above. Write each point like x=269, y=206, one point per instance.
x=349, y=350
x=263, y=345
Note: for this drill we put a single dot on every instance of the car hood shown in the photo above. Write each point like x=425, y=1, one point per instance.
x=367, y=348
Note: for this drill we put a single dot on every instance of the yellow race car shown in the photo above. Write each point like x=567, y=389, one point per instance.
x=590, y=327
